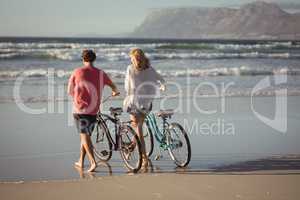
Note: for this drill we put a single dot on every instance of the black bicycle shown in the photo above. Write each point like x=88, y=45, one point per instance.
x=126, y=140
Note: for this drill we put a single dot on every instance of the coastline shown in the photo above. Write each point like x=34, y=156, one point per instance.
x=162, y=186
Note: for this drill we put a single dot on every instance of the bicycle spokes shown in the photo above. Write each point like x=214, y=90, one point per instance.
x=130, y=148
x=178, y=145
x=102, y=145
x=100, y=136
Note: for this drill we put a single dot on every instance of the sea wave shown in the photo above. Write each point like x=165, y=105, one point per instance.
x=51, y=45
x=222, y=71
x=222, y=55
x=179, y=45
x=60, y=73
x=156, y=51
x=217, y=46
x=245, y=92
x=116, y=55
x=233, y=71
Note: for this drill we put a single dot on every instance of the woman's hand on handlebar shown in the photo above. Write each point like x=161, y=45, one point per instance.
x=162, y=87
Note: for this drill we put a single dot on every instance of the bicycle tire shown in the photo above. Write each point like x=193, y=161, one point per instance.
x=127, y=136
x=101, y=139
x=175, y=143
x=148, y=138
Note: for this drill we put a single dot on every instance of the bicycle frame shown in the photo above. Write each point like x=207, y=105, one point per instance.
x=159, y=136
x=102, y=118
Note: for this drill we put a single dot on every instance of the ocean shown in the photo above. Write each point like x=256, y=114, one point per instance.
x=227, y=93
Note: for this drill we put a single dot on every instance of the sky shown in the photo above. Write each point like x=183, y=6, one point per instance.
x=73, y=18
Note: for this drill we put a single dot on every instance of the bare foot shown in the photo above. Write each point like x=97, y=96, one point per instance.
x=92, y=168
x=145, y=161
x=144, y=170
x=78, y=164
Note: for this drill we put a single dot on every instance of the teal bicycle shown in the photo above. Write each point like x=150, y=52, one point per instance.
x=172, y=138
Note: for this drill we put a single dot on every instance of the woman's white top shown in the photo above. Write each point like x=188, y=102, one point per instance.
x=141, y=88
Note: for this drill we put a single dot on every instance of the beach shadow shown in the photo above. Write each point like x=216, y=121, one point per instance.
x=280, y=165
x=273, y=163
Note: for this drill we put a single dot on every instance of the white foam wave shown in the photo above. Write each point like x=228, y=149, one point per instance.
x=271, y=45
x=233, y=71
x=222, y=71
x=200, y=55
x=60, y=73
x=245, y=92
x=116, y=52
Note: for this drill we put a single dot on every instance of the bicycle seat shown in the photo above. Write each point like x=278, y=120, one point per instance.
x=115, y=111
x=165, y=113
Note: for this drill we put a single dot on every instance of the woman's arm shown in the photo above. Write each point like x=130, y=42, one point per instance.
x=160, y=79
x=127, y=80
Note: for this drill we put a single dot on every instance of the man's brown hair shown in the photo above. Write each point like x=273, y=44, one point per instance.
x=88, y=55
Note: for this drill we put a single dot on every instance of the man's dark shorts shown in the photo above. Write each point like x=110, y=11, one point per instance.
x=85, y=123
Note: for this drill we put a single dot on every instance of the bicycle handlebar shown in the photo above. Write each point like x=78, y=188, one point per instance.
x=108, y=97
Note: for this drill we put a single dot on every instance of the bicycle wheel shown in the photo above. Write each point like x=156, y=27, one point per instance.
x=179, y=146
x=102, y=145
x=148, y=138
x=130, y=148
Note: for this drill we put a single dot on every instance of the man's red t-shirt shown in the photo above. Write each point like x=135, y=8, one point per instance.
x=85, y=86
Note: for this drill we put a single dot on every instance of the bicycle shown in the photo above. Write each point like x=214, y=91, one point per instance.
x=126, y=140
x=172, y=137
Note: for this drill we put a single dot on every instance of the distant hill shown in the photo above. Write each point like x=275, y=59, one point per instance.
x=257, y=20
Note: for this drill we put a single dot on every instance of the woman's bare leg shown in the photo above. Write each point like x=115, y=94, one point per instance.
x=88, y=147
x=137, y=124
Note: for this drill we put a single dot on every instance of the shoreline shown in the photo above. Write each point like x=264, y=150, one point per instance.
x=288, y=164
x=161, y=186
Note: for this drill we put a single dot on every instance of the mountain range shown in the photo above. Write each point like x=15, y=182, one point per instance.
x=257, y=20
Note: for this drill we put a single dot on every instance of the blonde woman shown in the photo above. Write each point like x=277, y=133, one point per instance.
x=141, y=83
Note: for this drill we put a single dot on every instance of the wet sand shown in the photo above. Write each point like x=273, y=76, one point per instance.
x=283, y=185
x=269, y=178
x=30, y=148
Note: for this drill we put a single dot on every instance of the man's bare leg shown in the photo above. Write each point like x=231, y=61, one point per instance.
x=80, y=162
x=87, y=144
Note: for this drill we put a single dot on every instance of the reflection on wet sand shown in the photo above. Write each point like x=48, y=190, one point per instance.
x=290, y=164
x=101, y=167
x=105, y=169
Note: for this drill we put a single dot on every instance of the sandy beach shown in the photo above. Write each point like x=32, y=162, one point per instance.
x=269, y=178
x=270, y=185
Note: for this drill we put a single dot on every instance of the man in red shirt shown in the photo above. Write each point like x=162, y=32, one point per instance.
x=85, y=86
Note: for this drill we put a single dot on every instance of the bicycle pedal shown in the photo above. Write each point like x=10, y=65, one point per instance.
x=128, y=155
x=158, y=157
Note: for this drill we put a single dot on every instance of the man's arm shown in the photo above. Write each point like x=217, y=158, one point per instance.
x=109, y=82
x=115, y=91
x=71, y=85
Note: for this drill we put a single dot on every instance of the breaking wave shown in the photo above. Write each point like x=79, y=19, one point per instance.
x=156, y=51
x=223, y=71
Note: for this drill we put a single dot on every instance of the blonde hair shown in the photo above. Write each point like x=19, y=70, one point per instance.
x=142, y=61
